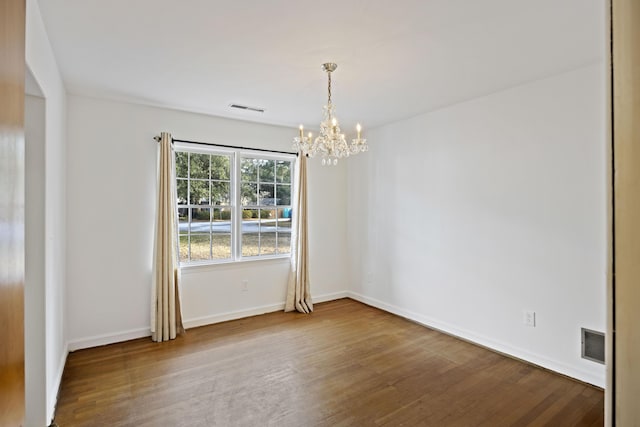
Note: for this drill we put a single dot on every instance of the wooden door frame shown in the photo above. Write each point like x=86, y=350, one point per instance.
x=12, y=166
x=624, y=308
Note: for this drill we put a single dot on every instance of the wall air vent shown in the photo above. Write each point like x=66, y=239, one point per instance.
x=592, y=345
x=244, y=107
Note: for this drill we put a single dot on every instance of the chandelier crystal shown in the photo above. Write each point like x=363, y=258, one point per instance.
x=331, y=144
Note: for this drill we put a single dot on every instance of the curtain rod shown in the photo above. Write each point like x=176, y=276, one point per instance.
x=157, y=139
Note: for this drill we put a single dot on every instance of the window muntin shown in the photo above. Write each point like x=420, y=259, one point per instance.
x=211, y=184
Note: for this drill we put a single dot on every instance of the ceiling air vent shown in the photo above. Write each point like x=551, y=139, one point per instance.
x=244, y=107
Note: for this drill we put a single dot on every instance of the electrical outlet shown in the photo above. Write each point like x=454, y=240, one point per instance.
x=529, y=318
x=245, y=285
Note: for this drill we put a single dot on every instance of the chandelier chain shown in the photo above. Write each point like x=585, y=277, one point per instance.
x=329, y=101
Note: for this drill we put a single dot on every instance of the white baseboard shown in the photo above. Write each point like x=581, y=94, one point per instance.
x=104, y=339
x=484, y=341
x=253, y=311
x=330, y=297
x=54, y=390
x=231, y=315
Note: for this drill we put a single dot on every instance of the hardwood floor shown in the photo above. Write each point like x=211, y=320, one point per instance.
x=347, y=364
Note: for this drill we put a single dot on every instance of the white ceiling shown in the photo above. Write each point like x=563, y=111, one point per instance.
x=395, y=59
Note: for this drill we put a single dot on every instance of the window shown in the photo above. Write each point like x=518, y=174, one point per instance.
x=232, y=204
x=266, y=206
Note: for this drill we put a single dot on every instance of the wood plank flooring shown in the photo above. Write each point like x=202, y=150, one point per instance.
x=347, y=364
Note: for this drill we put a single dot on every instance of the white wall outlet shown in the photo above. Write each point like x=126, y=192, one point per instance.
x=245, y=285
x=529, y=318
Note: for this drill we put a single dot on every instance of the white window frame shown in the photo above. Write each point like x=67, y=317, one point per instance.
x=236, y=155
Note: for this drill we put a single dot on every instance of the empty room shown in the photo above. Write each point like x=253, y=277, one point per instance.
x=296, y=213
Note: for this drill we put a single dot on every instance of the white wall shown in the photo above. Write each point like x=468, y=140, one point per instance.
x=466, y=216
x=42, y=65
x=111, y=178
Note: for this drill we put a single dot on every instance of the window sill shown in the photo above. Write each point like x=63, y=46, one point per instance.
x=194, y=267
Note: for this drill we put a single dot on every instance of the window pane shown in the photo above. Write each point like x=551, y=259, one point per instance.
x=267, y=195
x=184, y=248
x=266, y=214
x=267, y=170
x=267, y=232
x=250, y=233
x=220, y=167
x=200, y=247
x=182, y=191
x=222, y=217
x=199, y=193
x=268, y=243
x=250, y=213
x=250, y=244
x=286, y=213
x=249, y=169
x=199, y=165
x=249, y=194
x=200, y=220
x=284, y=230
x=182, y=164
x=183, y=220
x=283, y=171
x=284, y=242
x=221, y=245
x=220, y=193
x=283, y=194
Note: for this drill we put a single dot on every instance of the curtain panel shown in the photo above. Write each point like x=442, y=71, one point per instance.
x=166, y=316
x=298, y=288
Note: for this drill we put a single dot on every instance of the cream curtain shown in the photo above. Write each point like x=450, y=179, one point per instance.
x=298, y=290
x=166, y=317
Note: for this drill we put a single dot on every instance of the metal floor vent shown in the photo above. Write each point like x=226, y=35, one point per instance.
x=244, y=107
x=592, y=345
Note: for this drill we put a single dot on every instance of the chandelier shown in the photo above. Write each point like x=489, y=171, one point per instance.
x=331, y=144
